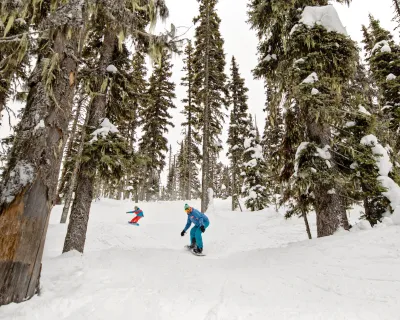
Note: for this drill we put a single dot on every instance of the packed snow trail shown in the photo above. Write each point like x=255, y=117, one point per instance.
x=257, y=266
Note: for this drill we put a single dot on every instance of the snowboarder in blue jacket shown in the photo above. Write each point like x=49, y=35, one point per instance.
x=201, y=223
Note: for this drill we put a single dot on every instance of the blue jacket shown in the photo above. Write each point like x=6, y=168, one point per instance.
x=138, y=212
x=196, y=217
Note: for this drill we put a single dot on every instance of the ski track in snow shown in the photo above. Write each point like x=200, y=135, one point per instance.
x=257, y=266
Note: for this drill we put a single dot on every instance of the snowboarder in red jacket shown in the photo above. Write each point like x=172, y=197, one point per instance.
x=139, y=215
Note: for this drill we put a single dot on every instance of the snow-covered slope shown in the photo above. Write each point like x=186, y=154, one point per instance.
x=258, y=266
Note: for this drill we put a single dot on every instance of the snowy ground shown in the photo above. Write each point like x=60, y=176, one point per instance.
x=258, y=266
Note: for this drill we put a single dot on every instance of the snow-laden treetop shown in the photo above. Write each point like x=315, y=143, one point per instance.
x=106, y=127
x=325, y=16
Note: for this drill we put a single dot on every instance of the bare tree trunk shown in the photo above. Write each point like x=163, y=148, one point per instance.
x=189, y=138
x=330, y=208
x=79, y=218
x=307, y=225
x=29, y=183
x=3, y=97
x=72, y=180
x=64, y=175
x=205, y=174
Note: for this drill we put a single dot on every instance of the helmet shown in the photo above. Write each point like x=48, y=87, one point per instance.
x=136, y=208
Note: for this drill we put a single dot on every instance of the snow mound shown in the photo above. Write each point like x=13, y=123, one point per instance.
x=40, y=125
x=363, y=110
x=325, y=16
x=363, y=225
x=381, y=155
x=106, y=127
x=324, y=153
x=391, y=77
x=112, y=69
x=393, y=194
x=385, y=166
x=300, y=149
x=383, y=46
x=312, y=78
x=349, y=124
x=22, y=174
x=314, y=91
x=269, y=57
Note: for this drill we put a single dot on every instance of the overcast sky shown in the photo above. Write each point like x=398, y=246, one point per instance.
x=242, y=42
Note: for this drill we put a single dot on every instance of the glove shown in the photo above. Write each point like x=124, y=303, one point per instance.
x=202, y=229
x=182, y=233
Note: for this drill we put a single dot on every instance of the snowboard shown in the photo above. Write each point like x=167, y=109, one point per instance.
x=196, y=254
x=133, y=223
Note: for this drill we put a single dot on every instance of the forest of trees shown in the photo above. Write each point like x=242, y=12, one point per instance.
x=94, y=119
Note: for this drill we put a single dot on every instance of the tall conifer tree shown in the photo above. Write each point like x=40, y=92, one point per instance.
x=237, y=129
x=156, y=120
x=192, y=125
x=209, y=86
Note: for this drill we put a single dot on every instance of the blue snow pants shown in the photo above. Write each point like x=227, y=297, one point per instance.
x=195, y=232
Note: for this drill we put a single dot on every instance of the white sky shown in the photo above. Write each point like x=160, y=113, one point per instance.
x=242, y=42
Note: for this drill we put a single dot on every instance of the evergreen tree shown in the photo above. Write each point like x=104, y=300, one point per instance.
x=171, y=181
x=192, y=125
x=312, y=65
x=254, y=167
x=209, y=87
x=237, y=129
x=383, y=57
x=156, y=119
x=273, y=138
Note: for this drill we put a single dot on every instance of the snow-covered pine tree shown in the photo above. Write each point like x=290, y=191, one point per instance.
x=383, y=56
x=171, y=179
x=209, y=87
x=254, y=168
x=191, y=124
x=217, y=186
x=123, y=20
x=156, y=120
x=272, y=140
x=29, y=182
x=237, y=129
x=186, y=163
x=356, y=160
x=312, y=62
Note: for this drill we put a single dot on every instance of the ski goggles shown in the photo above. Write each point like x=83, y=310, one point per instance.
x=188, y=210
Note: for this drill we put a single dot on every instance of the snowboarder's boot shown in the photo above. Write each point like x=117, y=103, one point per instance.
x=198, y=250
x=193, y=244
